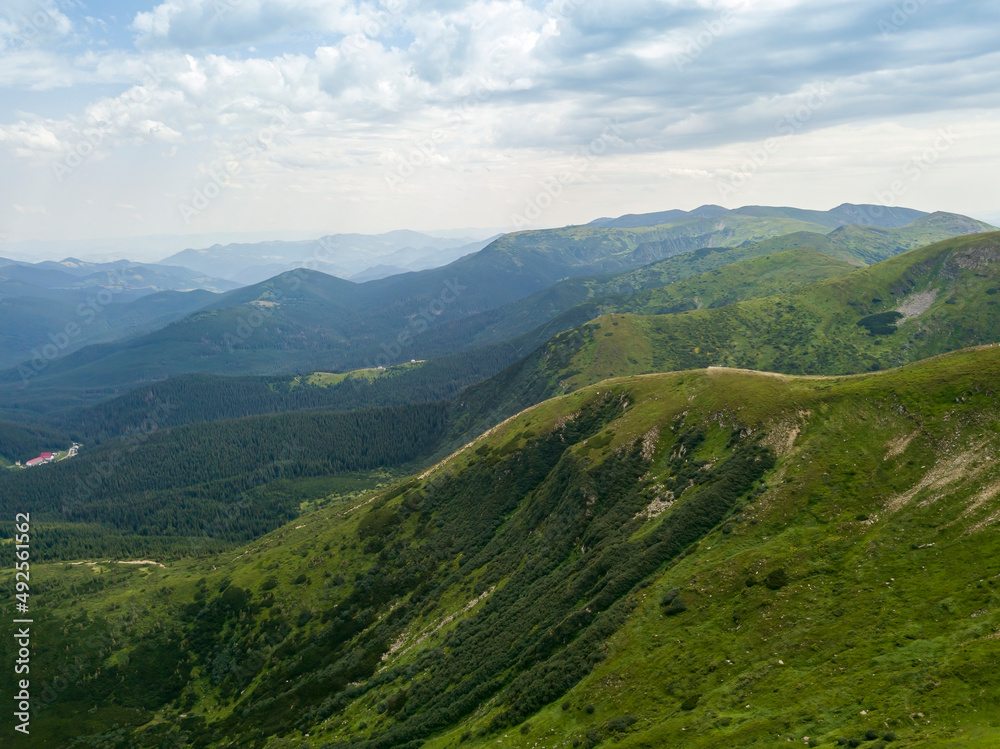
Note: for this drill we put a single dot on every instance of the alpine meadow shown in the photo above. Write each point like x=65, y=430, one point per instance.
x=499, y=375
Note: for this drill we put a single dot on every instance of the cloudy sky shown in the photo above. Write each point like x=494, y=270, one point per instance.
x=138, y=117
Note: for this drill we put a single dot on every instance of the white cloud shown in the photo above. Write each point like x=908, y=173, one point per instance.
x=490, y=96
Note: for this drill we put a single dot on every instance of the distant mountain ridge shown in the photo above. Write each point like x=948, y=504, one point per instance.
x=129, y=279
x=309, y=321
x=919, y=304
x=341, y=255
x=846, y=213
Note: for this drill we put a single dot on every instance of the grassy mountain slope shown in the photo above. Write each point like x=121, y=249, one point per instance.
x=846, y=213
x=199, y=398
x=866, y=245
x=935, y=299
x=853, y=244
x=303, y=320
x=703, y=558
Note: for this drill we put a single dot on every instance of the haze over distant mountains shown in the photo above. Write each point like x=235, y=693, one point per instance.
x=526, y=286
x=632, y=482
x=360, y=257
x=844, y=214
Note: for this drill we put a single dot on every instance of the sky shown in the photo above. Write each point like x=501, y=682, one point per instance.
x=193, y=117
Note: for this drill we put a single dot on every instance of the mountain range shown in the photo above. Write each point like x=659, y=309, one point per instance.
x=351, y=256
x=304, y=320
x=725, y=481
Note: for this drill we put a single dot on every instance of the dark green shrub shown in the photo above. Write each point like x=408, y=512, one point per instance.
x=883, y=323
x=871, y=734
x=395, y=702
x=691, y=702
x=777, y=580
x=589, y=709
x=526, y=729
x=378, y=524
x=670, y=595
x=621, y=725
x=676, y=607
x=889, y=736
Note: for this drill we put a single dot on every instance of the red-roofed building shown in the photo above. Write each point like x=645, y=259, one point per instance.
x=43, y=458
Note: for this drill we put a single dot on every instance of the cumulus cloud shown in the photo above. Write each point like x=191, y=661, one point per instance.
x=311, y=94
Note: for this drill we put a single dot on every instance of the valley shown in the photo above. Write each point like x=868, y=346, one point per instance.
x=647, y=507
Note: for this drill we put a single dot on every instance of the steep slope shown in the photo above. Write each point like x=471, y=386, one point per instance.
x=705, y=558
x=935, y=299
x=576, y=296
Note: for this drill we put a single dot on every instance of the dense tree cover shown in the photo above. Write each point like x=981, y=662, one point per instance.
x=21, y=442
x=202, y=398
x=195, y=486
x=535, y=515
x=564, y=591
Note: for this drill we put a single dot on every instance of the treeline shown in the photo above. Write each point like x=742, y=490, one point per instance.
x=204, y=398
x=209, y=481
x=21, y=442
x=559, y=568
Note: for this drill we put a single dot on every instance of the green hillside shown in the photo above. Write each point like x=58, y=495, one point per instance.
x=701, y=559
x=928, y=301
x=295, y=323
x=178, y=490
x=303, y=320
x=36, y=330
x=846, y=213
x=857, y=245
x=866, y=245
x=199, y=398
